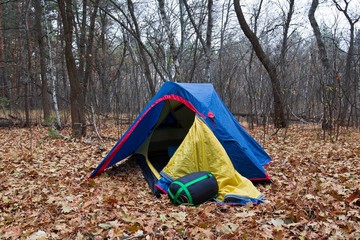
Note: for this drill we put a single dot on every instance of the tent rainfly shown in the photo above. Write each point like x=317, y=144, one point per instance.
x=187, y=128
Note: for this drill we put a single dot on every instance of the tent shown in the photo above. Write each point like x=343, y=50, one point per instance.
x=187, y=124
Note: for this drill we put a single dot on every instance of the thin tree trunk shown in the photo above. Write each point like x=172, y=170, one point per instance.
x=182, y=35
x=279, y=116
x=209, y=40
x=284, y=48
x=77, y=95
x=27, y=78
x=206, y=44
x=328, y=88
x=89, y=50
x=224, y=23
x=252, y=88
x=194, y=62
x=3, y=83
x=191, y=18
x=348, y=85
x=45, y=98
x=284, y=44
x=52, y=74
x=145, y=62
x=169, y=33
x=137, y=37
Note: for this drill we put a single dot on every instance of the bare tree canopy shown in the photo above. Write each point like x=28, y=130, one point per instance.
x=279, y=116
x=75, y=62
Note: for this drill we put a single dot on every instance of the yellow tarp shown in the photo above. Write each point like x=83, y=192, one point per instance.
x=201, y=151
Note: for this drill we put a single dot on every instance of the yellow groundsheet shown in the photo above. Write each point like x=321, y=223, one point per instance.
x=201, y=151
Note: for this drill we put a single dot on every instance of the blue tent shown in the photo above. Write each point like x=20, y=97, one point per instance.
x=170, y=115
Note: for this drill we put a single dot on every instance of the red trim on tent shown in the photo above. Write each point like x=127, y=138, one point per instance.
x=268, y=163
x=161, y=189
x=165, y=97
x=179, y=99
x=266, y=178
x=211, y=115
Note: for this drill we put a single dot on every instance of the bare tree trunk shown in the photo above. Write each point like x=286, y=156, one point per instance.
x=77, y=94
x=279, y=116
x=105, y=105
x=3, y=83
x=26, y=79
x=182, y=35
x=206, y=44
x=224, y=23
x=82, y=39
x=347, y=86
x=209, y=40
x=252, y=88
x=145, y=62
x=52, y=74
x=194, y=62
x=44, y=85
x=89, y=50
x=284, y=44
x=284, y=47
x=137, y=35
x=286, y=33
x=328, y=89
x=169, y=33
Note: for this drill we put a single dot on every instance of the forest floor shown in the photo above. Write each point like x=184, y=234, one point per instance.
x=45, y=192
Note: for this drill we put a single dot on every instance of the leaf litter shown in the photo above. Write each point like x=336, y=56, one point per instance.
x=45, y=192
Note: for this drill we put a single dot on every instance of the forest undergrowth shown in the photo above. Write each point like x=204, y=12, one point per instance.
x=45, y=192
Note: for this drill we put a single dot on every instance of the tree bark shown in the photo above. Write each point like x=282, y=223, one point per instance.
x=82, y=40
x=209, y=40
x=182, y=35
x=89, y=65
x=347, y=85
x=251, y=85
x=279, y=116
x=77, y=94
x=45, y=98
x=283, y=63
x=284, y=44
x=169, y=33
x=145, y=62
x=3, y=83
x=224, y=23
x=28, y=75
x=206, y=44
x=52, y=73
x=136, y=34
x=327, y=90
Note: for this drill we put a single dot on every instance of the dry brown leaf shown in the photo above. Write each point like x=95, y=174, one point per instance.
x=45, y=192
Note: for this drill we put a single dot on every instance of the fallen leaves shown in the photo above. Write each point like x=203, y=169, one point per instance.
x=45, y=192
